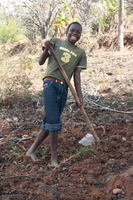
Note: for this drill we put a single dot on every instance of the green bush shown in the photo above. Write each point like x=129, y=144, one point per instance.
x=10, y=32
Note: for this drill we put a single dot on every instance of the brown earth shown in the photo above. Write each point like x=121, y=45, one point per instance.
x=103, y=170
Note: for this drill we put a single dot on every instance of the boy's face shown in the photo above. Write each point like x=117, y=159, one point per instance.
x=74, y=33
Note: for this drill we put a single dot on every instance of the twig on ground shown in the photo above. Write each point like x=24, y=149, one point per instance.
x=17, y=176
x=100, y=107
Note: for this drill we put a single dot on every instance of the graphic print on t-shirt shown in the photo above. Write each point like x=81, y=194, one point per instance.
x=67, y=54
x=66, y=57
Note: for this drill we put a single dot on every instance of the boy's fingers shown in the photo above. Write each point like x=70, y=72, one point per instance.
x=79, y=104
x=48, y=43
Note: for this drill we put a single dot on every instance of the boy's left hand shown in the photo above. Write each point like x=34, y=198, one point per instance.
x=79, y=104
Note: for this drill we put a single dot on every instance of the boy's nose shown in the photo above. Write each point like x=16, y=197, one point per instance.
x=75, y=32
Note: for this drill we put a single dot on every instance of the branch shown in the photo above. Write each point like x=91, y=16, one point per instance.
x=109, y=109
x=18, y=176
x=129, y=1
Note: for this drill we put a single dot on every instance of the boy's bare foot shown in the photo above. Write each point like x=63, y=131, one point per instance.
x=32, y=156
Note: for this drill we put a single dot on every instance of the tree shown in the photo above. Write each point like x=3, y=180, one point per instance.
x=97, y=15
x=38, y=15
x=82, y=9
x=120, y=25
x=129, y=6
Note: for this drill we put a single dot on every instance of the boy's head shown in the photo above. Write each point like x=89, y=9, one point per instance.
x=73, y=32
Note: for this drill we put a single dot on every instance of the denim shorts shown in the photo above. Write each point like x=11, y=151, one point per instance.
x=54, y=97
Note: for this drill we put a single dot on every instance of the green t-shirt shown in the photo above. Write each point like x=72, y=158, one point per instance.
x=69, y=56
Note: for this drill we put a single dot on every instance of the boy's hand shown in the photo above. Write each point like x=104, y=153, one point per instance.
x=48, y=43
x=79, y=104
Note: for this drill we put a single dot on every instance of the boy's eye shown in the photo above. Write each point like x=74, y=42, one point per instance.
x=72, y=30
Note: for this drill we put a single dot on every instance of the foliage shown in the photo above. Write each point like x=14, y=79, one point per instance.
x=9, y=31
x=37, y=16
x=85, y=149
x=66, y=16
x=105, y=20
x=129, y=7
x=82, y=8
x=96, y=16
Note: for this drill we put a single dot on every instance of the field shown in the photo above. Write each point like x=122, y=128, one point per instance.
x=103, y=170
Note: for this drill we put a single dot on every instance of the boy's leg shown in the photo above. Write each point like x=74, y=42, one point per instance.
x=53, y=145
x=40, y=137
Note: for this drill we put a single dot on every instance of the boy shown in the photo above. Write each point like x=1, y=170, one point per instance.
x=72, y=59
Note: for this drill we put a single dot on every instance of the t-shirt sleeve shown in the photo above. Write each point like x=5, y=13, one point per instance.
x=82, y=61
x=54, y=40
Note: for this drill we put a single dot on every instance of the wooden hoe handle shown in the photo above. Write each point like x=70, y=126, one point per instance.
x=92, y=131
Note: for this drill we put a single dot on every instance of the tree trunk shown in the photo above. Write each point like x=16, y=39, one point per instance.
x=43, y=32
x=121, y=25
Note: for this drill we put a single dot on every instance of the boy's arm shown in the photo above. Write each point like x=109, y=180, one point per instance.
x=77, y=83
x=45, y=53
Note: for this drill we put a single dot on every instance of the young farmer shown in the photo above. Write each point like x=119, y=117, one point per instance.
x=72, y=59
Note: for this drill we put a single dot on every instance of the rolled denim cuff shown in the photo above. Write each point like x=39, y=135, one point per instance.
x=51, y=127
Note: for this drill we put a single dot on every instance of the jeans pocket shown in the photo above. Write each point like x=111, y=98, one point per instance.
x=46, y=84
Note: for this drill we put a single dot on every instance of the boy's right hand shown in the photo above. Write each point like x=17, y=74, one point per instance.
x=48, y=43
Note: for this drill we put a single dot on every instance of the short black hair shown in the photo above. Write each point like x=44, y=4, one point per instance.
x=77, y=23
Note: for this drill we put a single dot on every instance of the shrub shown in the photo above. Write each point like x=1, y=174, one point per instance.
x=10, y=32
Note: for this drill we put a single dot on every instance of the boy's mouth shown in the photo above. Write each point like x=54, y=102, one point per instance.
x=73, y=38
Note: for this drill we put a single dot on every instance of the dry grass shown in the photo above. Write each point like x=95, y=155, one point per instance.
x=108, y=69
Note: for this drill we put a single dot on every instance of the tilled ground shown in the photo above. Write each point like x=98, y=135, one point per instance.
x=103, y=170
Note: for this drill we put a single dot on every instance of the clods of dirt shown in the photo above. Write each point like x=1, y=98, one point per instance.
x=104, y=171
